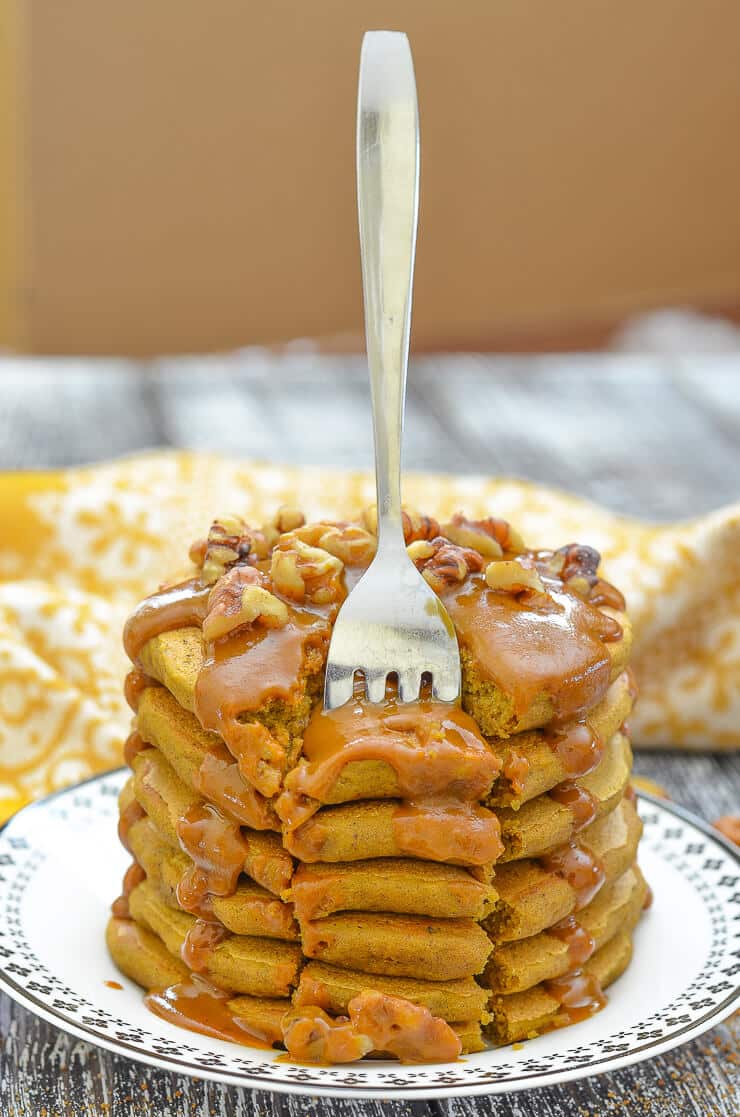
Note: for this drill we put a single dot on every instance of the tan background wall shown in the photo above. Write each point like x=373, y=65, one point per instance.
x=191, y=167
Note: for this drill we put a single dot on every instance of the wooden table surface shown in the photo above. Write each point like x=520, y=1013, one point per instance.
x=657, y=437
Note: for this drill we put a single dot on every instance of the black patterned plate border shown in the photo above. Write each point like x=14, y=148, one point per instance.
x=703, y=857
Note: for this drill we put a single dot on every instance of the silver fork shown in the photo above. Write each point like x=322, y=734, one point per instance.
x=392, y=621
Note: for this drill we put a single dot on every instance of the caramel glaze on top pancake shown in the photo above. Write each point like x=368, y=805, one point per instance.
x=528, y=645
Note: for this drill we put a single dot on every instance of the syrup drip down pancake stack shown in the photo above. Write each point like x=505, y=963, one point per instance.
x=393, y=880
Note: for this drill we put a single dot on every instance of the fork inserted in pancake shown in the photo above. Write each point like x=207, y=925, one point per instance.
x=392, y=623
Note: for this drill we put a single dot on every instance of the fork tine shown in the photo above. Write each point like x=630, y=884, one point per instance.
x=375, y=684
x=446, y=684
x=409, y=685
x=338, y=688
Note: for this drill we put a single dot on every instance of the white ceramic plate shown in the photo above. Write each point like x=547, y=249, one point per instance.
x=61, y=865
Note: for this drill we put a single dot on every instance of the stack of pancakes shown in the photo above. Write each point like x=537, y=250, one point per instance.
x=477, y=862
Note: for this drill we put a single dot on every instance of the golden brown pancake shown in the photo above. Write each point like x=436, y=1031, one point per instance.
x=531, y=896
x=199, y=758
x=252, y=910
x=407, y=945
x=496, y=711
x=543, y=823
x=524, y=1015
x=142, y=955
x=166, y=799
x=358, y=831
x=516, y=966
x=532, y=764
x=257, y=966
x=175, y=659
x=332, y=988
x=409, y=887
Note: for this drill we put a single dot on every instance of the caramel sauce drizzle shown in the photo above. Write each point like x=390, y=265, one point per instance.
x=128, y=816
x=583, y=871
x=445, y=829
x=218, y=850
x=132, y=746
x=515, y=770
x=579, y=994
x=243, y=672
x=307, y=897
x=197, y=1005
x=604, y=593
x=549, y=643
x=580, y=802
x=181, y=606
x=578, y=748
x=376, y=1022
x=434, y=749
x=579, y=942
x=312, y=1036
x=134, y=875
x=200, y=942
x=220, y=781
x=403, y=1029
x=134, y=685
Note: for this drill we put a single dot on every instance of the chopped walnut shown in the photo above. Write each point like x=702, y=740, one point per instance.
x=349, y=542
x=492, y=537
x=288, y=518
x=512, y=576
x=240, y=597
x=415, y=526
x=580, y=564
x=301, y=572
x=285, y=519
x=579, y=559
x=230, y=542
x=442, y=563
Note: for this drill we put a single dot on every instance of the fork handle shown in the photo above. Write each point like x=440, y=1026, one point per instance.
x=388, y=204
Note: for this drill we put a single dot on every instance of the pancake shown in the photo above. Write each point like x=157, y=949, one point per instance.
x=531, y=896
x=333, y=988
x=535, y=762
x=251, y=910
x=406, y=945
x=200, y=759
x=240, y=964
x=142, y=956
x=519, y=670
x=516, y=966
x=166, y=800
x=388, y=884
x=175, y=660
x=524, y=1015
x=544, y=823
x=369, y=829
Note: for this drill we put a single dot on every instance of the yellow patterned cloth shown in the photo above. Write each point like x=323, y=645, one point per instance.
x=79, y=548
